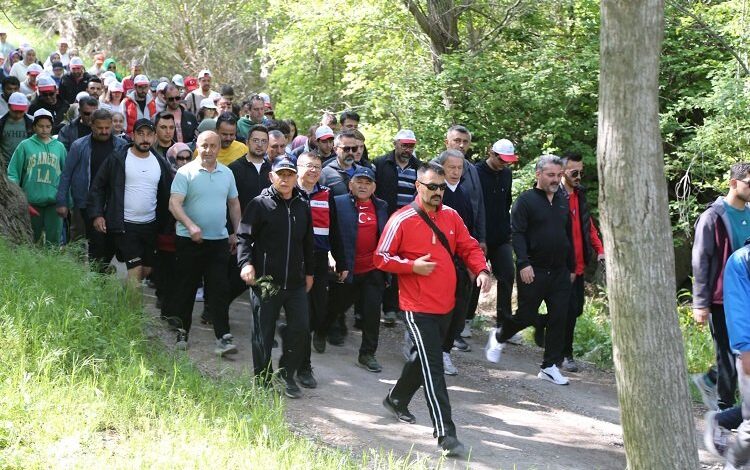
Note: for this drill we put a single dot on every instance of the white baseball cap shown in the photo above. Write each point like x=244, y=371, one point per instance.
x=34, y=69
x=208, y=103
x=45, y=83
x=505, y=150
x=76, y=62
x=42, y=113
x=323, y=132
x=115, y=86
x=406, y=136
x=18, y=102
x=178, y=80
x=204, y=73
x=81, y=95
x=141, y=80
x=161, y=86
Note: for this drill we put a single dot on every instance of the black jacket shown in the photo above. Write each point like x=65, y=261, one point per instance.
x=58, y=111
x=69, y=88
x=387, y=178
x=107, y=195
x=276, y=237
x=585, y=217
x=188, y=125
x=498, y=198
x=69, y=133
x=346, y=208
x=541, y=231
x=335, y=178
x=250, y=183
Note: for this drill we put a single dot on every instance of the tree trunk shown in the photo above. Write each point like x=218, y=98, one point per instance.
x=647, y=343
x=15, y=225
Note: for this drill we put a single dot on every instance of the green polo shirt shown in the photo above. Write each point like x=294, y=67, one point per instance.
x=206, y=194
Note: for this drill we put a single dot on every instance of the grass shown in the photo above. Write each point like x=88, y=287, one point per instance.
x=19, y=32
x=82, y=385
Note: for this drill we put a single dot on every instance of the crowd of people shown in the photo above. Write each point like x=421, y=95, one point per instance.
x=211, y=197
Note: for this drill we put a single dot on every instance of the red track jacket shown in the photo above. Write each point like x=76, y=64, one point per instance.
x=407, y=237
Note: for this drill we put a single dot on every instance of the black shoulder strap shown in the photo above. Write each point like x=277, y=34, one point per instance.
x=435, y=229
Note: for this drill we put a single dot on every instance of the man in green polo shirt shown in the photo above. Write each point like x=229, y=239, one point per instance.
x=201, y=192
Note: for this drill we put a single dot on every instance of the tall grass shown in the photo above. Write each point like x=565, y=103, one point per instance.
x=81, y=385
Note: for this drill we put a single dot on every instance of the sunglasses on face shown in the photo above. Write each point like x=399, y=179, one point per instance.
x=49, y=94
x=576, y=173
x=346, y=148
x=172, y=98
x=182, y=159
x=434, y=186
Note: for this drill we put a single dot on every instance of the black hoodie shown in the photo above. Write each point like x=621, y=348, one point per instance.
x=276, y=237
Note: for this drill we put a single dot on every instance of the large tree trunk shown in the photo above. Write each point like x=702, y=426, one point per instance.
x=15, y=225
x=647, y=344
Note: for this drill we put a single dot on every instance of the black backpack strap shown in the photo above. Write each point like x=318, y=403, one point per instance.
x=440, y=235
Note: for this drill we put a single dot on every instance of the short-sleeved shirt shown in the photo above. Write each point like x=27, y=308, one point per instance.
x=14, y=133
x=206, y=194
x=740, y=221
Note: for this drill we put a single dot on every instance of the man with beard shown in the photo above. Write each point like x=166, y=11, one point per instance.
x=80, y=126
x=94, y=87
x=138, y=104
x=86, y=156
x=10, y=86
x=74, y=82
x=194, y=98
x=164, y=135
x=396, y=176
x=231, y=149
x=252, y=114
x=47, y=99
x=185, y=122
x=129, y=200
x=338, y=172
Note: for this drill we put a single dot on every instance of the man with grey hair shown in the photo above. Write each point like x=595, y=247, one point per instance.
x=338, y=172
x=276, y=144
x=541, y=229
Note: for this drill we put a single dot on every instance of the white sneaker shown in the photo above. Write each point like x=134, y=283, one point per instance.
x=407, y=346
x=494, y=348
x=448, y=366
x=225, y=345
x=552, y=374
x=715, y=438
x=199, y=295
x=516, y=339
x=466, y=332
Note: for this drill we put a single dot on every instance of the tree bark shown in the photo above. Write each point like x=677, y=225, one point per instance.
x=15, y=225
x=647, y=343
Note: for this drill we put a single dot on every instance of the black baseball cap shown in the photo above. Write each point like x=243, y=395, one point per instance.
x=364, y=172
x=283, y=163
x=143, y=122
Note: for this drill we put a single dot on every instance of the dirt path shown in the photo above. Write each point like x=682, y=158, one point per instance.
x=509, y=417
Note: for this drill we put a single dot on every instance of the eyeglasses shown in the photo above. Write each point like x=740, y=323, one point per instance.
x=576, y=173
x=745, y=181
x=259, y=141
x=183, y=159
x=346, y=148
x=434, y=186
x=172, y=98
x=311, y=166
x=48, y=94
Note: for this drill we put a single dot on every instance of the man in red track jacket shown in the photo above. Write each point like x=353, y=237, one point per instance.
x=427, y=284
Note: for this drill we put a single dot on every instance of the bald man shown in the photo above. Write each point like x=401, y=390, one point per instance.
x=201, y=192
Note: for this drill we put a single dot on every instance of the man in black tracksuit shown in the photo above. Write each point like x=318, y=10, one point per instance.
x=544, y=260
x=276, y=239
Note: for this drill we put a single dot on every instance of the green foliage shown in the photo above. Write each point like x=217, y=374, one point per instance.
x=82, y=385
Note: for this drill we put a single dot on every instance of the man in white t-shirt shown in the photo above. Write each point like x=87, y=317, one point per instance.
x=129, y=200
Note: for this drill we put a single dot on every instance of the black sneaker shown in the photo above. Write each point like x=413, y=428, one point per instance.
x=306, y=378
x=389, y=319
x=182, y=340
x=369, y=362
x=206, y=318
x=335, y=339
x=400, y=412
x=461, y=345
x=291, y=389
x=539, y=336
x=319, y=342
x=451, y=446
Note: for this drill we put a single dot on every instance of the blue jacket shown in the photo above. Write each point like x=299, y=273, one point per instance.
x=347, y=222
x=736, y=295
x=76, y=175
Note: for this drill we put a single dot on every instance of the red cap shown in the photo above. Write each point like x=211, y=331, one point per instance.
x=191, y=83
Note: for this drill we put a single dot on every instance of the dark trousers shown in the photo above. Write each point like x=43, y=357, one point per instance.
x=464, y=292
x=318, y=303
x=101, y=247
x=207, y=260
x=366, y=288
x=164, y=275
x=504, y=270
x=236, y=286
x=575, y=310
x=390, y=296
x=427, y=332
x=295, y=304
x=552, y=286
x=726, y=377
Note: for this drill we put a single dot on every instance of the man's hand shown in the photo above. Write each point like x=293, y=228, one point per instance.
x=422, y=266
x=745, y=359
x=308, y=283
x=527, y=275
x=196, y=234
x=248, y=275
x=100, y=224
x=62, y=211
x=600, y=257
x=572, y=278
x=700, y=315
x=341, y=277
x=483, y=282
x=483, y=246
x=233, y=243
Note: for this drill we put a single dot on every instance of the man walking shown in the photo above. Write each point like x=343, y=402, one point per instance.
x=412, y=246
x=138, y=104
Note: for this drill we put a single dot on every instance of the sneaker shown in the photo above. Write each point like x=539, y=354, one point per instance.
x=291, y=389
x=206, y=318
x=400, y=412
x=369, y=362
x=407, y=346
x=199, y=295
x=569, y=365
x=516, y=339
x=466, y=332
x=389, y=318
x=335, y=339
x=715, y=437
x=448, y=367
x=224, y=345
x=460, y=345
x=182, y=340
x=552, y=374
x=319, y=343
x=451, y=446
x=494, y=349
x=306, y=378
x=708, y=391
x=539, y=336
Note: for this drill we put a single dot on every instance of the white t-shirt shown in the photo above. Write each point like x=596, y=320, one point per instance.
x=141, y=185
x=257, y=166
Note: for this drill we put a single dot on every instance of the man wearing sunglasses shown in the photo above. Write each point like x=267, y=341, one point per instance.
x=185, y=122
x=80, y=126
x=338, y=171
x=47, y=98
x=413, y=249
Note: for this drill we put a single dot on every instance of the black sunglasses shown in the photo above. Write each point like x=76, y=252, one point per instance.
x=183, y=159
x=434, y=186
x=353, y=148
x=172, y=98
x=576, y=173
x=48, y=94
